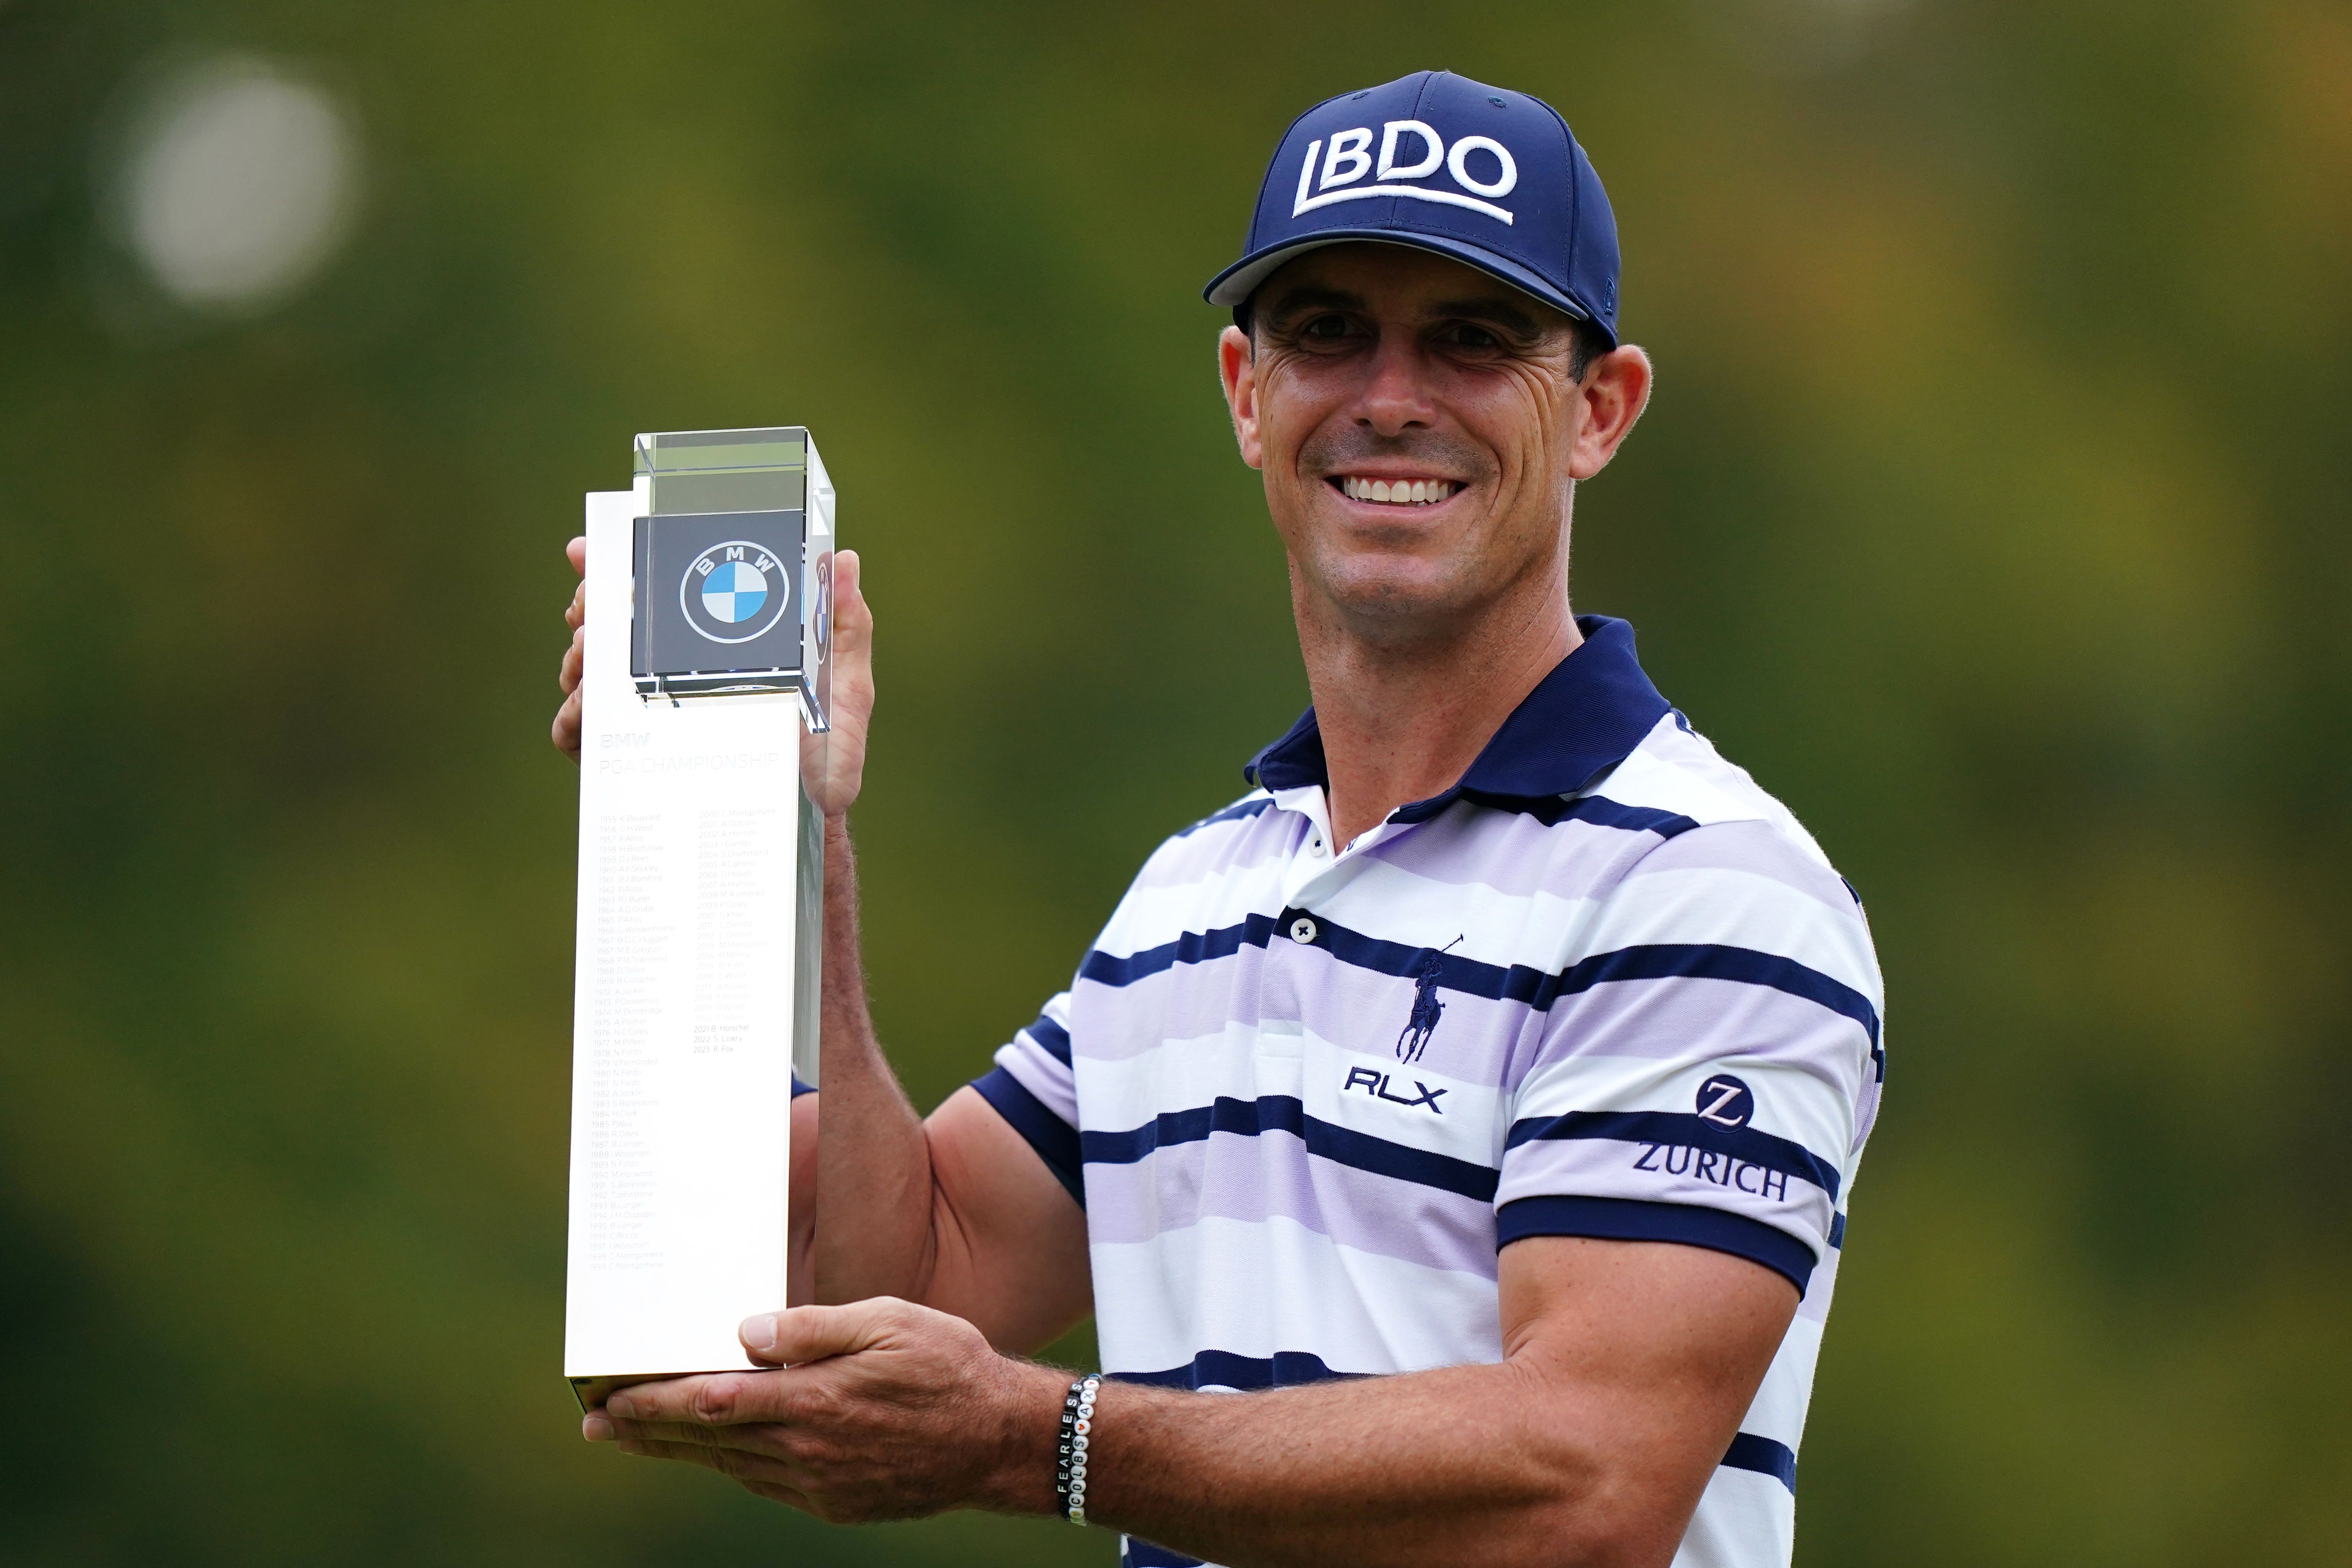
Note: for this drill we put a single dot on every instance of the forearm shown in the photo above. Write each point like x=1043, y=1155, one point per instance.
x=1471, y=1465
x=875, y=1233
x=955, y=1212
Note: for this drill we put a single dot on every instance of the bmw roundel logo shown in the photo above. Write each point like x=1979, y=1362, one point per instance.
x=733, y=591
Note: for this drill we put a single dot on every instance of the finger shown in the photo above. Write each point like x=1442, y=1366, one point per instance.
x=789, y=1496
x=769, y=1478
x=757, y=1438
x=708, y=1400
x=565, y=732
x=733, y=1463
x=576, y=612
x=853, y=618
x=801, y=1334
x=567, y=673
x=577, y=552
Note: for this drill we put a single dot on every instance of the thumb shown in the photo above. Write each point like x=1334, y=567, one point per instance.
x=800, y=1334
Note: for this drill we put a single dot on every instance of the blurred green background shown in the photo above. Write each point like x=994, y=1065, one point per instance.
x=1991, y=509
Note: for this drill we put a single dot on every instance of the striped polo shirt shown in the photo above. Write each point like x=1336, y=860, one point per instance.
x=1604, y=987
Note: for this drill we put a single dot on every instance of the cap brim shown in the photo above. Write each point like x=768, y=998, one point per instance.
x=1237, y=282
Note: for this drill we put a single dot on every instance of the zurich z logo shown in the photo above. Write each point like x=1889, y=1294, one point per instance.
x=1426, y=1008
x=1349, y=159
x=1726, y=1101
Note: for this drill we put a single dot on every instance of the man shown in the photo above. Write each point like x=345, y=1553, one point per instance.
x=1503, y=1039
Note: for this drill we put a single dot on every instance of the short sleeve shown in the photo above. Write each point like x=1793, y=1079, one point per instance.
x=1033, y=1088
x=1707, y=1069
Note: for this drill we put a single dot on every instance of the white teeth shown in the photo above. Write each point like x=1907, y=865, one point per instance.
x=1402, y=492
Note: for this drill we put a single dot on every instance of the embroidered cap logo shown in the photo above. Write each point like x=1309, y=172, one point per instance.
x=1349, y=159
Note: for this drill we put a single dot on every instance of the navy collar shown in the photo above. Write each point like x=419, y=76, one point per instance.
x=1580, y=720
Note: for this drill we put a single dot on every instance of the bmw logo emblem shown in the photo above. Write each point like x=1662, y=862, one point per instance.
x=733, y=591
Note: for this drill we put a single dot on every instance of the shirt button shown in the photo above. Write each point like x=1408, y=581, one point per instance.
x=1316, y=848
x=1302, y=930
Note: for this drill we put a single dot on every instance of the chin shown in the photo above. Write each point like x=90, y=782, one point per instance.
x=1399, y=593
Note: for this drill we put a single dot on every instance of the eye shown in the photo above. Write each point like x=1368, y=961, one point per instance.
x=1466, y=335
x=1325, y=328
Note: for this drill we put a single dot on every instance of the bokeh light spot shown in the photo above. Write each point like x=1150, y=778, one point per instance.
x=239, y=181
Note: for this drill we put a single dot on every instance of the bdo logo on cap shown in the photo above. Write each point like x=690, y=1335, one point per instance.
x=733, y=591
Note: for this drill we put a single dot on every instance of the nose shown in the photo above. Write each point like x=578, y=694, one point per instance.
x=1394, y=397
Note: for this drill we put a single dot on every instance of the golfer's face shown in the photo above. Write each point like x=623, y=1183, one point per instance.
x=1415, y=417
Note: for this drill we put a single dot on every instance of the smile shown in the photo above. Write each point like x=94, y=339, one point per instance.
x=1397, y=492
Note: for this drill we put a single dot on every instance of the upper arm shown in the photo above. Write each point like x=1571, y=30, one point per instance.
x=1011, y=1223
x=1673, y=1184
x=800, y=1257
x=1709, y=1070
x=1012, y=1241
x=1011, y=1245
x=1641, y=1358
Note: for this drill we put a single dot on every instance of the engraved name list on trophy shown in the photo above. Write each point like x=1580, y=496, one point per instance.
x=704, y=688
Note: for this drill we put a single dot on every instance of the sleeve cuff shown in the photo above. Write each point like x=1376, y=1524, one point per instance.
x=800, y=1088
x=1635, y=1219
x=1056, y=1140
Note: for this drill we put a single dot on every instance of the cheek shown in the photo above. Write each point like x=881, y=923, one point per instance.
x=1532, y=427
x=1295, y=397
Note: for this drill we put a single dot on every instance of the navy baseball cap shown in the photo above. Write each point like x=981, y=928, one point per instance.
x=1488, y=176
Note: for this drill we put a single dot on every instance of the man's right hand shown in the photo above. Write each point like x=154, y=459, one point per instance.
x=835, y=785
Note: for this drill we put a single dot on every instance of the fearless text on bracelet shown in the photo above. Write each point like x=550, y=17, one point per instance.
x=1070, y=1458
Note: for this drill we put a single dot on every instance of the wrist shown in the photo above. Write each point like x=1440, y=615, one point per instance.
x=1021, y=1480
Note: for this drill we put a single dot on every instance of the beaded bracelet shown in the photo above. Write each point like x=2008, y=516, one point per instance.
x=1070, y=1461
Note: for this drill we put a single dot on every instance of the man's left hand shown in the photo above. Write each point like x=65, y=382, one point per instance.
x=879, y=1409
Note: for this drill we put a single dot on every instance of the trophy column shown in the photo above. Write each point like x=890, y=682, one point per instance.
x=704, y=690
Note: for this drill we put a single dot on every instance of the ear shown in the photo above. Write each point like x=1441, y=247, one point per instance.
x=1615, y=390
x=1238, y=369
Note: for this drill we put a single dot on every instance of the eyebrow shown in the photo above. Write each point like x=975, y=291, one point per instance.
x=1487, y=308
x=1481, y=308
x=1313, y=296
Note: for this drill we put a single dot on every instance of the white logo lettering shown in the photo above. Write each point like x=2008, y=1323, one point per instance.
x=1348, y=147
x=1349, y=159
x=1457, y=164
x=1731, y=1092
x=1433, y=148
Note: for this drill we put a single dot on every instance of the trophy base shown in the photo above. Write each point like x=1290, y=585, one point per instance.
x=728, y=683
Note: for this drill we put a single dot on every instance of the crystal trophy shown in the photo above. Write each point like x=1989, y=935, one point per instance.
x=704, y=690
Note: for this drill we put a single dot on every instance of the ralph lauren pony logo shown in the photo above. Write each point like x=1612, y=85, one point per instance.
x=1426, y=1008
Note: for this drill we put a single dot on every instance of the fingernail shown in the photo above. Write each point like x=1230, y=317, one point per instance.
x=596, y=1427
x=619, y=1406
x=759, y=1333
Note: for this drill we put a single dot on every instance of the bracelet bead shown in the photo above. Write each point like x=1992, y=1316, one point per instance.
x=1070, y=1451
